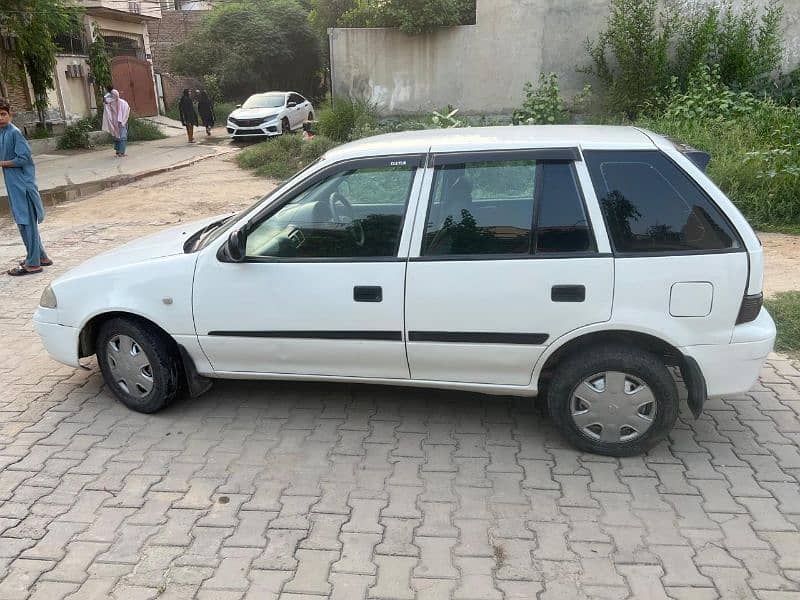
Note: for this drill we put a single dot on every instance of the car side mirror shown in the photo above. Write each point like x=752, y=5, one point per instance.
x=237, y=245
x=291, y=105
x=238, y=106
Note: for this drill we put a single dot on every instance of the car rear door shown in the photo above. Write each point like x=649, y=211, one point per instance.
x=504, y=260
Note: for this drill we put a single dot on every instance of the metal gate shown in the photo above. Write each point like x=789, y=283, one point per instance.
x=134, y=80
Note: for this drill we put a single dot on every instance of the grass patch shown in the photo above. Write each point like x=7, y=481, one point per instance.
x=281, y=157
x=755, y=160
x=140, y=130
x=785, y=309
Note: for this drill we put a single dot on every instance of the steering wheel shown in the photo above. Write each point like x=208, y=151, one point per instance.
x=345, y=215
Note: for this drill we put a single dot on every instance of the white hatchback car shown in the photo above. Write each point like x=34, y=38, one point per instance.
x=269, y=114
x=594, y=263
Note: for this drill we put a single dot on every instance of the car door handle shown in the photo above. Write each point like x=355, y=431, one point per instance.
x=568, y=293
x=368, y=293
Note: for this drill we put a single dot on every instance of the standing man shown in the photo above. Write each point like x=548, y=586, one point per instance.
x=188, y=114
x=23, y=196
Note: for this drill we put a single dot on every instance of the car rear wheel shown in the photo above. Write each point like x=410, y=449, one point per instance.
x=310, y=116
x=614, y=401
x=138, y=364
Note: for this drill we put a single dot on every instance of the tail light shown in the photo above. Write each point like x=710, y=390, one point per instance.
x=751, y=306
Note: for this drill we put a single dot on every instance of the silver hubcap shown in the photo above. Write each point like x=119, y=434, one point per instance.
x=130, y=366
x=613, y=407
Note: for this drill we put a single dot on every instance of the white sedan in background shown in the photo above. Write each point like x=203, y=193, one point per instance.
x=270, y=114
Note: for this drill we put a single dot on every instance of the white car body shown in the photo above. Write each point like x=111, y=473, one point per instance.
x=268, y=121
x=486, y=325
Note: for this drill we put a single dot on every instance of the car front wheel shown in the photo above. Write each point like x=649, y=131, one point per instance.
x=285, y=126
x=613, y=400
x=138, y=364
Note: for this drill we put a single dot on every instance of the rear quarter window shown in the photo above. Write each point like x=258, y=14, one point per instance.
x=651, y=205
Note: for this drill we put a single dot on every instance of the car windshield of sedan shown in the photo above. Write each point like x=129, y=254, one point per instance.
x=265, y=101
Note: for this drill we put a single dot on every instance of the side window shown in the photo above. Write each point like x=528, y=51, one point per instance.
x=651, y=205
x=296, y=98
x=351, y=214
x=561, y=223
x=481, y=208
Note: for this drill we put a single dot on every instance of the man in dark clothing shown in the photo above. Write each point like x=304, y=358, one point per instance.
x=205, y=107
x=188, y=114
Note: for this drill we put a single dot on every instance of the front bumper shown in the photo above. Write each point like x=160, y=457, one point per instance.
x=60, y=341
x=263, y=130
x=734, y=368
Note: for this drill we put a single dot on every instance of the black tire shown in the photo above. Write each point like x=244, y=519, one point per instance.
x=310, y=116
x=286, y=127
x=639, y=363
x=163, y=368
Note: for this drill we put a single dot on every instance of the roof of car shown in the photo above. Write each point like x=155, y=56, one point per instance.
x=496, y=138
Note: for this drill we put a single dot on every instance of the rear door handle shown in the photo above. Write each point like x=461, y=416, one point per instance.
x=368, y=293
x=568, y=293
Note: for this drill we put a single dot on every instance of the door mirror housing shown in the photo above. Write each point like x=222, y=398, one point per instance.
x=237, y=245
x=291, y=105
x=238, y=106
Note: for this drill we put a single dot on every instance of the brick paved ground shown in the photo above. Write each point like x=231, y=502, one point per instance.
x=293, y=491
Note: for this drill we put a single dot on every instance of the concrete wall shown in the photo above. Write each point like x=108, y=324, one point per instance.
x=73, y=92
x=482, y=68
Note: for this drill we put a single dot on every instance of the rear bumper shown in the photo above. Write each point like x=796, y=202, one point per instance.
x=734, y=368
x=60, y=341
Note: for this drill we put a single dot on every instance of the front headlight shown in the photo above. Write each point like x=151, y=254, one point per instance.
x=269, y=119
x=48, y=299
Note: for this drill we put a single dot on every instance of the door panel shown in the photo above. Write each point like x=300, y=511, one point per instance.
x=300, y=318
x=500, y=297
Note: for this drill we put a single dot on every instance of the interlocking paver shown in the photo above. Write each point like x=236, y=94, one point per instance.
x=297, y=491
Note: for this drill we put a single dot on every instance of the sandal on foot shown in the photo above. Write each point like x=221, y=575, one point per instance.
x=45, y=263
x=19, y=271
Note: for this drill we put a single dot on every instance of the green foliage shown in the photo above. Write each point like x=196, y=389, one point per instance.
x=99, y=66
x=325, y=14
x=785, y=309
x=544, y=105
x=253, y=46
x=281, y=157
x=34, y=24
x=410, y=16
x=744, y=45
x=446, y=118
x=41, y=133
x=76, y=135
x=755, y=157
x=211, y=86
x=141, y=130
x=707, y=98
x=340, y=119
x=632, y=57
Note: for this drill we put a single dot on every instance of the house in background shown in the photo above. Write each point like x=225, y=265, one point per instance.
x=123, y=25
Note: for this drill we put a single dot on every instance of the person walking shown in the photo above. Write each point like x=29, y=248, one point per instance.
x=188, y=114
x=19, y=175
x=205, y=106
x=115, y=119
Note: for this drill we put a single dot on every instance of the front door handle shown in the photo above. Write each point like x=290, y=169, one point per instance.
x=568, y=293
x=368, y=293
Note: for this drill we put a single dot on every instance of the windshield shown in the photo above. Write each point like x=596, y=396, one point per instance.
x=225, y=225
x=265, y=101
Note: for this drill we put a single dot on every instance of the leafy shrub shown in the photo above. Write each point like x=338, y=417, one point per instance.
x=410, y=16
x=282, y=157
x=544, y=105
x=141, y=130
x=446, y=118
x=338, y=120
x=41, y=133
x=707, y=98
x=632, y=57
x=76, y=135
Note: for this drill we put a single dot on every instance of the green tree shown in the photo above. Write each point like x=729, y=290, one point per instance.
x=252, y=46
x=410, y=16
x=100, y=67
x=34, y=24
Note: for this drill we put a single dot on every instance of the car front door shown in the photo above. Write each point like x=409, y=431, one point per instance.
x=298, y=112
x=321, y=289
x=503, y=262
